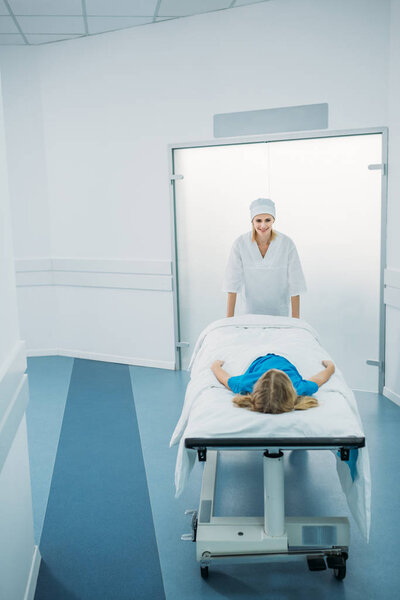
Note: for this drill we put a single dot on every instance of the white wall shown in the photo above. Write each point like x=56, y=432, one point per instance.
x=392, y=275
x=108, y=105
x=19, y=559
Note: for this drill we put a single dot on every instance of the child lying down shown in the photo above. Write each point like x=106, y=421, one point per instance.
x=273, y=385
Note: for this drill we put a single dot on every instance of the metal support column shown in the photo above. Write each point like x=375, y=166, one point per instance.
x=274, y=494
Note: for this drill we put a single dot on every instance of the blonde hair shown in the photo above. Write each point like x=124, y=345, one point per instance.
x=253, y=234
x=274, y=393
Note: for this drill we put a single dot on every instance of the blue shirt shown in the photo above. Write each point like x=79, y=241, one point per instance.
x=243, y=384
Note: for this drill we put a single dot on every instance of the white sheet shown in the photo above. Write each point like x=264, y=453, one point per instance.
x=208, y=410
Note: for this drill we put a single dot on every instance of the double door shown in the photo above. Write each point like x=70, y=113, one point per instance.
x=328, y=196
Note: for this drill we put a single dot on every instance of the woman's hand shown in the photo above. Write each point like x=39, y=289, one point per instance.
x=329, y=364
x=323, y=376
x=217, y=364
x=219, y=372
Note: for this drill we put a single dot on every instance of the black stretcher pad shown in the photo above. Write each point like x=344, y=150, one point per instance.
x=282, y=443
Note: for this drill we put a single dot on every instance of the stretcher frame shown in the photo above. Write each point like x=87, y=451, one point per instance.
x=258, y=539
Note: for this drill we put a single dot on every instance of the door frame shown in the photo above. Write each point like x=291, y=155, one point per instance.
x=281, y=138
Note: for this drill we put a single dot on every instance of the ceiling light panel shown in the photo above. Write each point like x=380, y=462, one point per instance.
x=132, y=8
x=7, y=39
x=51, y=24
x=7, y=25
x=100, y=24
x=46, y=7
x=3, y=8
x=183, y=8
x=243, y=2
x=45, y=38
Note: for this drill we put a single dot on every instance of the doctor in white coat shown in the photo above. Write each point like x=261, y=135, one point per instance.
x=264, y=267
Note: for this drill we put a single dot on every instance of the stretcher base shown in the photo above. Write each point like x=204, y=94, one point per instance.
x=239, y=537
x=268, y=537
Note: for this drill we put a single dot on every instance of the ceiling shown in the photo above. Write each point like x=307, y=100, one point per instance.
x=33, y=22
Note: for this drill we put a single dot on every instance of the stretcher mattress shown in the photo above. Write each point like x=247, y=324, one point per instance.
x=208, y=411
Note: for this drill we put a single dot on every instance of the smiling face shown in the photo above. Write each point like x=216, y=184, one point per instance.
x=263, y=224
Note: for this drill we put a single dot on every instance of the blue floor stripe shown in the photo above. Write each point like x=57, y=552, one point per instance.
x=98, y=540
x=49, y=378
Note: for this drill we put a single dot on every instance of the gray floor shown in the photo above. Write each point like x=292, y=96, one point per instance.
x=312, y=488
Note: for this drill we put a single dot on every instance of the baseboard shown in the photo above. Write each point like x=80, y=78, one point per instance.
x=12, y=417
x=125, y=360
x=43, y=352
x=11, y=372
x=391, y=395
x=33, y=575
x=365, y=391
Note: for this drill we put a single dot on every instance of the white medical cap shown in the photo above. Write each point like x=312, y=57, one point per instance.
x=262, y=206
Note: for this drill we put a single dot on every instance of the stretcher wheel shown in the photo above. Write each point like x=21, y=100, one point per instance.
x=204, y=572
x=340, y=572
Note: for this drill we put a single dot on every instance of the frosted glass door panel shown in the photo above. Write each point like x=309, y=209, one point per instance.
x=212, y=209
x=329, y=203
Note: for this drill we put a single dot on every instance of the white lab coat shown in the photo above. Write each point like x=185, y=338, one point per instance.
x=265, y=284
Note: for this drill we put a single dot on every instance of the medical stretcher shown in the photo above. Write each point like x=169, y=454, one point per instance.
x=323, y=540
x=210, y=423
